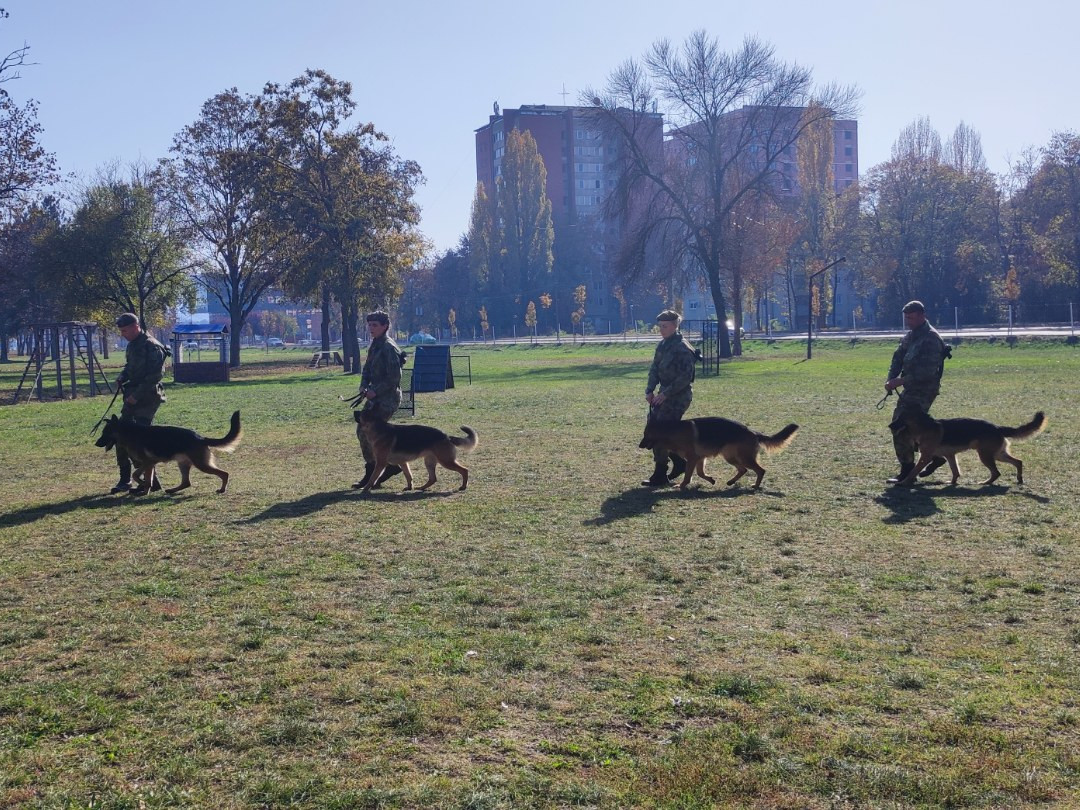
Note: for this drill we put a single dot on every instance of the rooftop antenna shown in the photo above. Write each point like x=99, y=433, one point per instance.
x=563, y=94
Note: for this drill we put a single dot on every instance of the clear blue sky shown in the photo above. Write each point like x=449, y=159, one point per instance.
x=116, y=79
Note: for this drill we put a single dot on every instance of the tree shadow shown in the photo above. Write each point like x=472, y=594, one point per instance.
x=30, y=514
x=642, y=500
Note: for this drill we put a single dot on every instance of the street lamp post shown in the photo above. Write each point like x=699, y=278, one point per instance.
x=810, y=303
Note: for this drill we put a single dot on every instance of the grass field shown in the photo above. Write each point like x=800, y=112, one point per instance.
x=557, y=635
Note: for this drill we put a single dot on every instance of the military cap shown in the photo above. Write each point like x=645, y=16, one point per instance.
x=127, y=319
x=914, y=306
x=669, y=315
x=379, y=317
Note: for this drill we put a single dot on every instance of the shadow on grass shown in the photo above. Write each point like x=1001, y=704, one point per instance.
x=29, y=514
x=317, y=501
x=642, y=500
x=907, y=503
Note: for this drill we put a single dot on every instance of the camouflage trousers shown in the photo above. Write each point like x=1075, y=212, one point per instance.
x=670, y=409
x=910, y=402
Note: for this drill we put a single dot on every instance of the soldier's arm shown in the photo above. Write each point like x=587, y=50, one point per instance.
x=654, y=376
x=897, y=363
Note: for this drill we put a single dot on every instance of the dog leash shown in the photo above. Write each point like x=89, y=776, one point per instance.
x=881, y=402
x=353, y=400
x=101, y=421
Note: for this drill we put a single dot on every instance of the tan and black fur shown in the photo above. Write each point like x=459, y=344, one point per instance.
x=150, y=445
x=400, y=444
x=704, y=437
x=947, y=437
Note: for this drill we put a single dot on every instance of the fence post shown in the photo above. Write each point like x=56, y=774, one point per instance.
x=956, y=322
x=1010, y=319
x=1072, y=323
x=854, y=325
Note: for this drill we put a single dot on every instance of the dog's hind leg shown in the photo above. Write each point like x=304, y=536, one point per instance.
x=407, y=472
x=757, y=468
x=701, y=471
x=208, y=466
x=185, y=477
x=458, y=468
x=1003, y=455
x=987, y=458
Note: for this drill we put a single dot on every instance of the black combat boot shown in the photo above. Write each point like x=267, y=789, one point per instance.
x=124, y=463
x=659, y=476
x=905, y=470
x=936, y=462
x=390, y=471
x=678, y=467
x=123, y=485
x=369, y=468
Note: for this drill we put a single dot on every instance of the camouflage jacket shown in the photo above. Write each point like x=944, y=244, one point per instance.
x=673, y=367
x=143, y=368
x=382, y=373
x=919, y=360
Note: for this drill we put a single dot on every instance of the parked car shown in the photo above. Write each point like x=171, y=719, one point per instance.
x=422, y=337
x=191, y=344
x=275, y=343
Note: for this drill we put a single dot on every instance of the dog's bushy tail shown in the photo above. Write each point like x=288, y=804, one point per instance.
x=469, y=442
x=228, y=442
x=1030, y=429
x=780, y=440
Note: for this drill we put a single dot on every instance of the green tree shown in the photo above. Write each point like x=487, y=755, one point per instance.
x=219, y=185
x=122, y=251
x=1046, y=212
x=931, y=227
x=27, y=295
x=346, y=193
x=732, y=117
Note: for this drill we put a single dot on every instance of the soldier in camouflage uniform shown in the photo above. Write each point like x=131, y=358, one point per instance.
x=672, y=370
x=140, y=382
x=380, y=384
x=917, y=365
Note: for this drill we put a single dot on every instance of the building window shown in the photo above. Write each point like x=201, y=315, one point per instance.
x=847, y=134
x=848, y=168
x=847, y=151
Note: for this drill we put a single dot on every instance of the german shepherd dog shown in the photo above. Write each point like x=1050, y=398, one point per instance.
x=947, y=437
x=704, y=437
x=400, y=444
x=150, y=445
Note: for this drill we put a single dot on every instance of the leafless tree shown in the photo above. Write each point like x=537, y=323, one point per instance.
x=732, y=121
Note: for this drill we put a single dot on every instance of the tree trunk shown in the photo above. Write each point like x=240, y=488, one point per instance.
x=722, y=341
x=236, y=323
x=324, y=326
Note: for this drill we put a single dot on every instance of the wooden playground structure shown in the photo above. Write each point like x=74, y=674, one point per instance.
x=56, y=348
